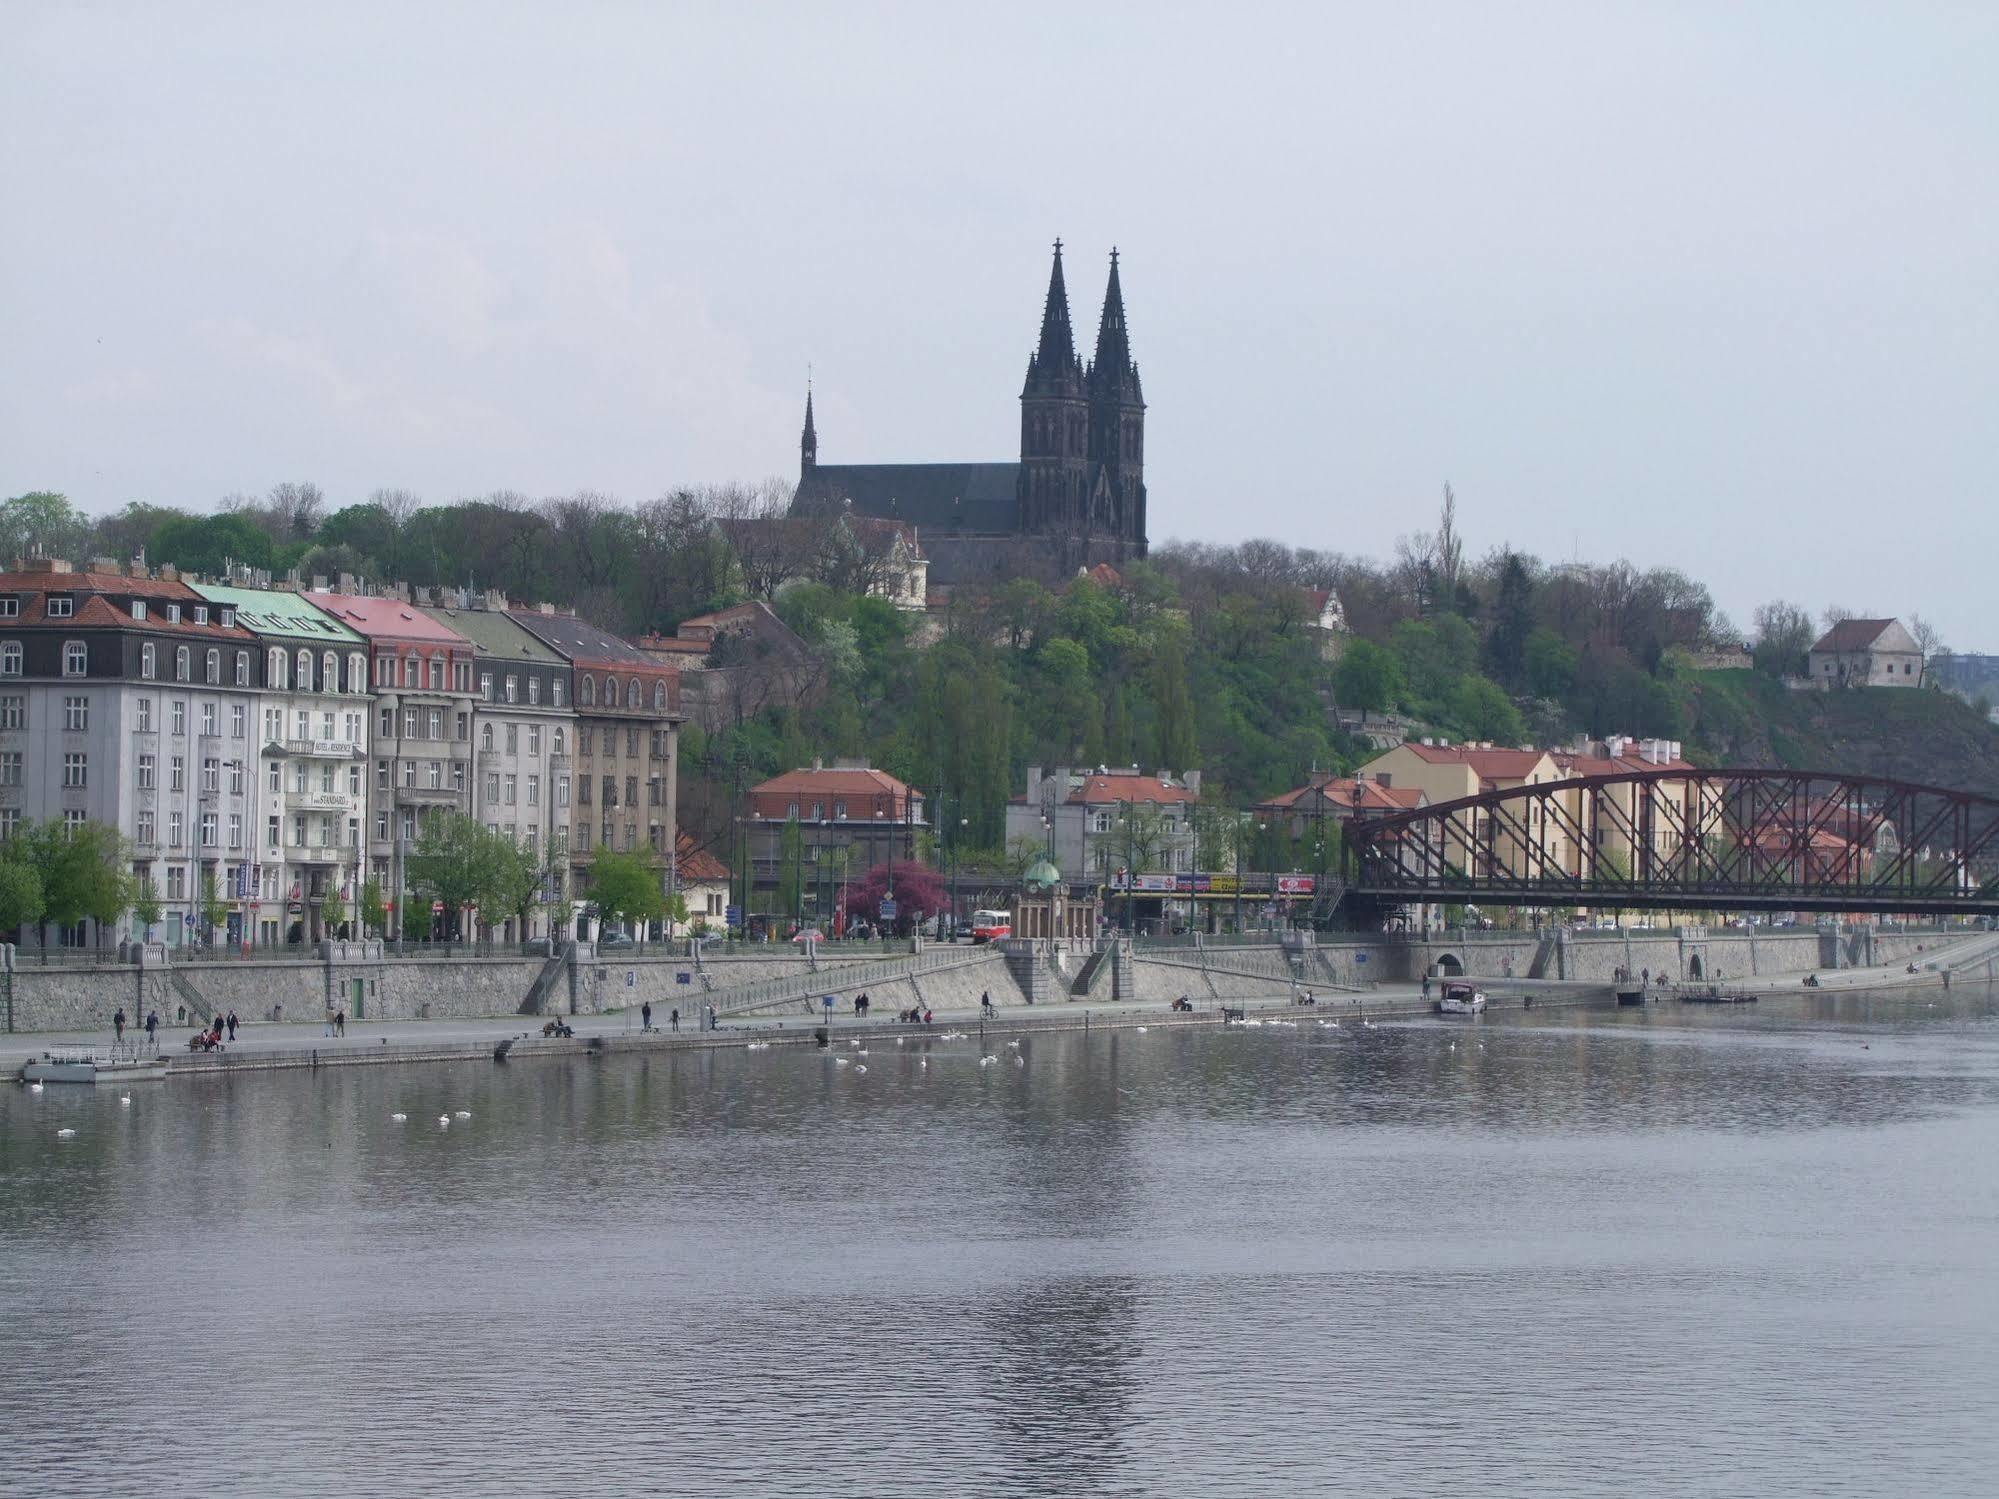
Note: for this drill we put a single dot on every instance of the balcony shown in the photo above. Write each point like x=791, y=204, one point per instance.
x=320, y=801
x=318, y=749
x=320, y=854
x=428, y=796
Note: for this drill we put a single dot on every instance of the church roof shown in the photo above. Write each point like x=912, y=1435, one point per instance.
x=982, y=498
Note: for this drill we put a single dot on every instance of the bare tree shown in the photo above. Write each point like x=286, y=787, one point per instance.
x=1929, y=640
x=1448, y=551
x=296, y=508
x=398, y=504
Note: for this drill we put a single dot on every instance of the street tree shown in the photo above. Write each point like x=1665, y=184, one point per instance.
x=452, y=863
x=625, y=886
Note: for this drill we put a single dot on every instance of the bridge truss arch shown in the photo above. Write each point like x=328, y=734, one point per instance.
x=1778, y=840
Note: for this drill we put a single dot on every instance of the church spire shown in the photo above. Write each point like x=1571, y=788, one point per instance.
x=1113, y=342
x=1055, y=358
x=808, y=442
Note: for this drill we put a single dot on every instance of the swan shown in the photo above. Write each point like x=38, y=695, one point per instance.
x=860, y=1069
x=1020, y=1061
x=1014, y=1044
x=862, y=1052
x=841, y=1062
x=1142, y=1030
x=922, y=1062
x=444, y=1121
x=987, y=1061
x=464, y=1114
x=34, y=1087
x=65, y=1134
x=125, y=1100
x=399, y=1118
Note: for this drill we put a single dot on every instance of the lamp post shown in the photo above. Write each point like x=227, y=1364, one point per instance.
x=1130, y=867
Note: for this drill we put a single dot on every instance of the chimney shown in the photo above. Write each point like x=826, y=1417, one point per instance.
x=347, y=582
x=546, y=608
x=319, y=583
x=496, y=599
x=168, y=572
x=818, y=763
x=106, y=565
x=1191, y=779
x=1033, y=785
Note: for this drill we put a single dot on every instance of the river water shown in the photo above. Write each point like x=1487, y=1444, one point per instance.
x=1732, y=1252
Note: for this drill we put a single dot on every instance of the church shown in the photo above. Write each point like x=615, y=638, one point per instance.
x=1075, y=498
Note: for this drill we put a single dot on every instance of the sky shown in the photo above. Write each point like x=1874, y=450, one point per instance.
x=1710, y=287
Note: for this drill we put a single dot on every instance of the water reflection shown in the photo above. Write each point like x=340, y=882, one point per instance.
x=1726, y=1251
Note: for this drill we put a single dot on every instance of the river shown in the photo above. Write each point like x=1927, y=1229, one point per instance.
x=1740, y=1251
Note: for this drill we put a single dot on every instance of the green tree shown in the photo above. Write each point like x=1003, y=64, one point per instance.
x=626, y=886
x=84, y=870
x=1172, y=704
x=1367, y=677
x=20, y=893
x=518, y=875
x=214, y=910
x=333, y=913
x=146, y=908
x=1482, y=710
x=452, y=862
x=373, y=907
x=1550, y=663
x=42, y=523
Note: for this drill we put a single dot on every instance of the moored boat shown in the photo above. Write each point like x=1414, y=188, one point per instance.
x=79, y=1065
x=1460, y=999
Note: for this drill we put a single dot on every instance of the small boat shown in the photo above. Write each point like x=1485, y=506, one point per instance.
x=78, y=1065
x=1715, y=997
x=1460, y=999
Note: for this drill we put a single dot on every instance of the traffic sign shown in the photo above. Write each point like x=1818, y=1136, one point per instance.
x=733, y=916
x=888, y=910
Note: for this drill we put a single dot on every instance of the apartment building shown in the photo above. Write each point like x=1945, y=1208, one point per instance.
x=420, y=745
x=128, y=698
x=627, y=743
x=312, y=747
x=523, y=730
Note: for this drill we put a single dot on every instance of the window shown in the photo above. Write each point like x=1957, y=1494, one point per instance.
x=148, y=772
x=326, y=786
x=210, y=828
x=486, y=685
x=513, y=739
x=228, y=619
x=534, y=739
x=10, y=659
x=555, y=692
x=583, y=791
x=180, y=717
x=149, y=661
x=513, y=687
x=610, y=791
x=492, y=787
x=464, y=727
x=387, y=723
x=353, y=780
x=76, y=714
x=235, y=777
x=556, y=740
x=385, y=671
x=176, y=879
x=632, y=742
x=458, y=776
x=534, y=791
x=75, y=659
x=273, y=830
x=211, y=775
x=305, y=671
x=201, y=614
x=382, y=775
x=173, y=614
x=586, y=692
x=211, y=668
x=382, y=824
x=436, y=775
x=511, y=785
x=10, y=607
x=235, y=829
x=208, y=720
x=409, y=773
x=562, y=791
x=583, y=829
x=534, y=689
x=409, y=723
x=242, y=668
x=486, y=737
x=329, y=673
x=144, y=826
x=631, y=791
x=437, y=674
x=610, y=692
x=410, y=678
x=299, y=774
x=177, y=773
x=659, y=697
x=298, y=831
x=239, y=720
x=10, y=768
x=181, y=659
x=435, y=723
x=276, y=779
x=61, y=606
x=840, y=811
x=75, y=770
x=357, y=672
x=13, y=712
x=353, y=832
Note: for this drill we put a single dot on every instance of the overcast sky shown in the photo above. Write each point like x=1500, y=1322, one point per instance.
x=1708, y=287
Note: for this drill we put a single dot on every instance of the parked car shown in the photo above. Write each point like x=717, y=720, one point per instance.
x=616, y=942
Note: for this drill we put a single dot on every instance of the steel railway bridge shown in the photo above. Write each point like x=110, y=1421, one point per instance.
x=1741, y=840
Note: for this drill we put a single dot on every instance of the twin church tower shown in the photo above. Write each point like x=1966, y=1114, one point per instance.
x=1075, y=498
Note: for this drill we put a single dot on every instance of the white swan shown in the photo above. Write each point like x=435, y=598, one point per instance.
x=65, y=1134
x=399, y=1118
x=34, y=1087
x=463, y=1114
x=1014, y=1044
x=987, y=1061
x=444, y=1121
x=841, y=1062
x=860, y=1069
x=125, y=1100
x=922, y=1062
x=1020, y=1061
x=1142, y=1030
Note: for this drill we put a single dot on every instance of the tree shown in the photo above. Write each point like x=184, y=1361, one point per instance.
x=85, y=870
x=333, y=913
x=41, y=523
x=918, y=892
x=1929, y=640
x=1172, y=704
x=790, y=854
x=373, y=907
x=626, y=885
x=1367, y=678
x=146, y=908
x=20, y=894
x=1550, y=664
x=518, y=878
x=214, y=909
x=1512, y=619
x=1483, y=711
x=1784, y=637
x=451, y=863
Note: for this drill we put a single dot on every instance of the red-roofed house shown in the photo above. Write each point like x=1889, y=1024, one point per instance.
x=703, y=882
x=1336, y=797
x=1867, y=653
x=1096, y=822
x=851, y=817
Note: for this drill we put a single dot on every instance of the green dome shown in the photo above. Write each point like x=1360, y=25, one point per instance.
x=1041, y=878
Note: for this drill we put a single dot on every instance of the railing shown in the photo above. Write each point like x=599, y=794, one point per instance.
x=740, y=1000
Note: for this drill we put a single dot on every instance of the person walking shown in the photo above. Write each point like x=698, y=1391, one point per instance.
x=232, y=1025
x=152, y=1025
x=673, y=1019
x=645, y=1015
x=339, y=1022
x=711, y=1017
x=118, y=1024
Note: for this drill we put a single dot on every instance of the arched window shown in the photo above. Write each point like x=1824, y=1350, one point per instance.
x=181, y=659
x=634, y=694
x=305, y=671
x=610, y=692
x=559, y=742
x=242, y=668
x=357, y=672
x=76, y=658
x=212, y=668
x=329, y=673
x=274, y=670
x=586, y=693
x=659, y=697
x=149, y=661
x=10, y=658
